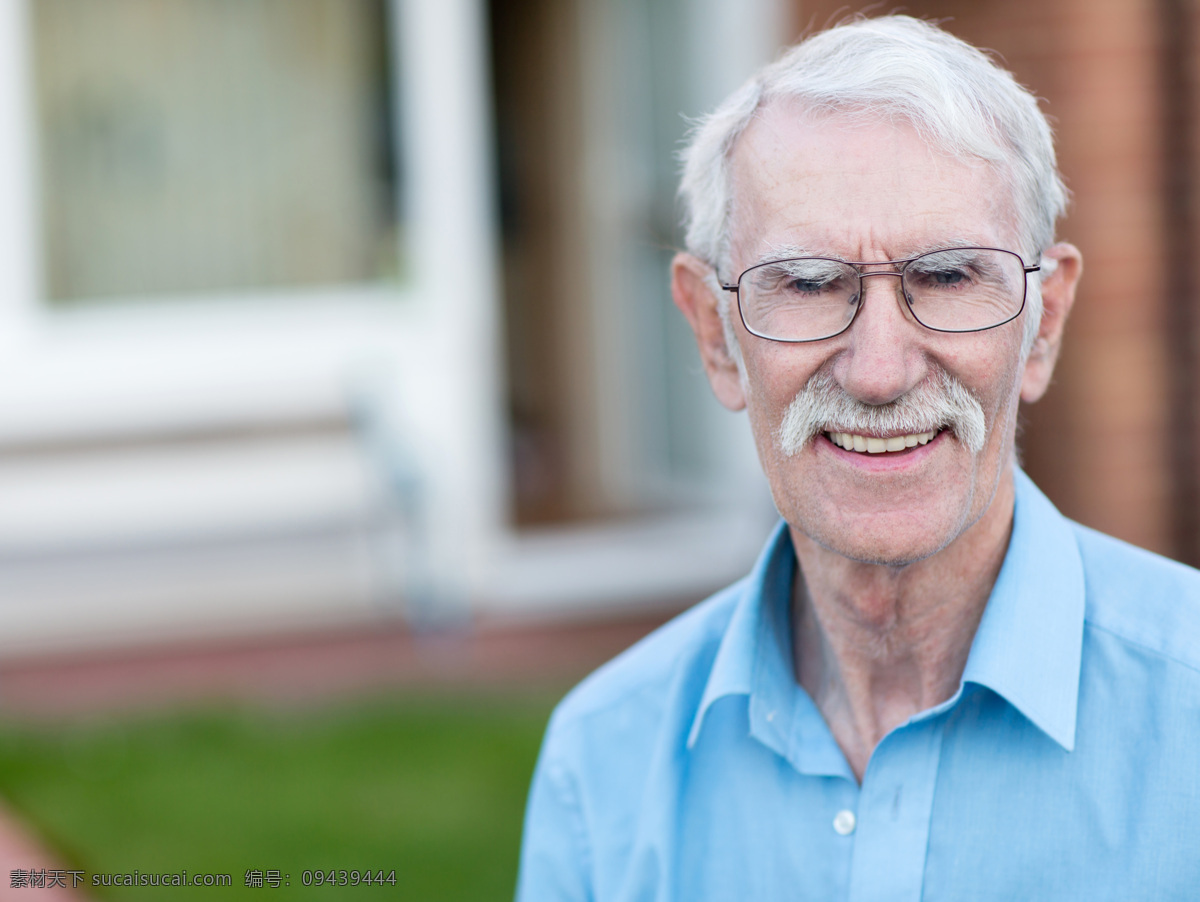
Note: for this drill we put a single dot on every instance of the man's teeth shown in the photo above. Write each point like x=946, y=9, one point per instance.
x=873, y=445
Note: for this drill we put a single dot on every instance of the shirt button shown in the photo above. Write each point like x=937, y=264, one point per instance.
x=844, y=821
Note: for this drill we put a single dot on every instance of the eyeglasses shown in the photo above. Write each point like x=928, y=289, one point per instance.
x=958, y=289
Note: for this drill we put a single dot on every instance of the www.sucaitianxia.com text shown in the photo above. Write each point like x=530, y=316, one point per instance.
x=68, y=878
x=49, y=878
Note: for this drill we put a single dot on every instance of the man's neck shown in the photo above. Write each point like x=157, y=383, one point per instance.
x=876, y=644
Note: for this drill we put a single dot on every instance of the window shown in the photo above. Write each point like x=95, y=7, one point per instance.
x=213, y=146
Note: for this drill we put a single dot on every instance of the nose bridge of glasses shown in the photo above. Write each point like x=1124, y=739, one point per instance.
x=866, y=274
x=898, y=289
x=863, y=275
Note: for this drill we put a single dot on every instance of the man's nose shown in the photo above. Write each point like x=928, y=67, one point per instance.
x=882, y=360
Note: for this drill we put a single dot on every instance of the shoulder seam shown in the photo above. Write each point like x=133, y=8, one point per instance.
x=1157, y=652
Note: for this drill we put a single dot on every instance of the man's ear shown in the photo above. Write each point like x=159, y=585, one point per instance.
x=1058, y=294
x=692, y=289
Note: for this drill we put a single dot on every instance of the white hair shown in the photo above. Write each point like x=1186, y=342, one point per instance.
x=893, y=67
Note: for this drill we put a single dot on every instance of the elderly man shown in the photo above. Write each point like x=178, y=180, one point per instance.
x=932, y=685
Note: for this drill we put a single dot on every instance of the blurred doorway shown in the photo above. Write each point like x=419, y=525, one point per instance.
x=610, y=413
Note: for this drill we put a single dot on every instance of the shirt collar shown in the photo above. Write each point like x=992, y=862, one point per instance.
x=1030, y=641
x=1027, y=648
x=755, y=617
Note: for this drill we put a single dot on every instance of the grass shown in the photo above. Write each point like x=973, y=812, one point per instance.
x=431, y=787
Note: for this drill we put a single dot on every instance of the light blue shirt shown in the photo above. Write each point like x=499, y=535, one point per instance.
x=1067, y=765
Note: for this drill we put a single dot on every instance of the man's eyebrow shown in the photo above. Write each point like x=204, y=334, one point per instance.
x=789, y=251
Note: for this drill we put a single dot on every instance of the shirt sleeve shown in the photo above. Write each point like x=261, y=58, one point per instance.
x=555, y=861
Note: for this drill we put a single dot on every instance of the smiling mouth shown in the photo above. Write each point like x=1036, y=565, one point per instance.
x=872, y=444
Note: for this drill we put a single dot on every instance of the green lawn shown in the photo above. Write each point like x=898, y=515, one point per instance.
x=431, y=787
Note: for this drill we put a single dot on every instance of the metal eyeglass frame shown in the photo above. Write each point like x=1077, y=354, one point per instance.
x=898, y=273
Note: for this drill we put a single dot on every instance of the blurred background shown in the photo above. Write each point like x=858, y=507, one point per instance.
x=336, y=350
x=325, y=312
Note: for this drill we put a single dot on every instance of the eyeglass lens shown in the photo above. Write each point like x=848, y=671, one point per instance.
x=953, y=290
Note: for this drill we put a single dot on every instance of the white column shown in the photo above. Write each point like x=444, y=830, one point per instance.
x=456, y=407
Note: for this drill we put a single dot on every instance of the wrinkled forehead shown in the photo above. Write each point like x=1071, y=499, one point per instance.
x=849, y=183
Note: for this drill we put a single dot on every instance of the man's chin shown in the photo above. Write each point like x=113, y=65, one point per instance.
x=892, y=558
x=883, y=550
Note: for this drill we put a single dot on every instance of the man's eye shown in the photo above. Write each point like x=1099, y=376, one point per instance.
x=948, y=276
x=808, y=286
x=943, y=277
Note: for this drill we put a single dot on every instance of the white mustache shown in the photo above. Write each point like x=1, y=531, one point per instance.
x=941, y=401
